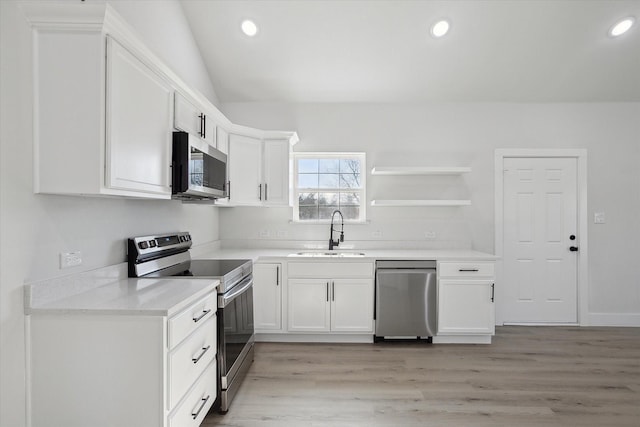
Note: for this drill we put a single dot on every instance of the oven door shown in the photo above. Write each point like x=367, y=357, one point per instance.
x=235, y=329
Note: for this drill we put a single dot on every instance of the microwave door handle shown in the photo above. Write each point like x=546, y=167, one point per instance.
x=228, y=190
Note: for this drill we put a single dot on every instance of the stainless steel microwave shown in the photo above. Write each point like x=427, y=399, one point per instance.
x=199, y=171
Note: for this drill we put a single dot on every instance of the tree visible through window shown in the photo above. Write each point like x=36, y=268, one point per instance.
x=325, y=182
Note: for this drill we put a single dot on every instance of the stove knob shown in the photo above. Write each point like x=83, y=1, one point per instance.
x=152, y=243
x=182, y=239
x=143, y=245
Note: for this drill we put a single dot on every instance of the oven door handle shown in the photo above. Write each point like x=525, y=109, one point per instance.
x=237, y=291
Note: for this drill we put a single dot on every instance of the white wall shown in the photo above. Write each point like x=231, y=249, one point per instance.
x=34, y=229
x=467, y=135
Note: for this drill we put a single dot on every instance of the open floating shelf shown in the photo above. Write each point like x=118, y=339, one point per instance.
x=420, y=202
x=420, y=170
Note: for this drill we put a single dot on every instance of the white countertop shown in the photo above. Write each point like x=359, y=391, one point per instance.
x=108, y=291
x=264, y=254
x=148, y=297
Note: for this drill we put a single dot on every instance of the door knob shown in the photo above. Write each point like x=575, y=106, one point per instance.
x=573, y=248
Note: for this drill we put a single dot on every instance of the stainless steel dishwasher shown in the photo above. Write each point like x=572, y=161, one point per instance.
x=405, y=300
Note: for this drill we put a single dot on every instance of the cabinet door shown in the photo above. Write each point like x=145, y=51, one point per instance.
x=465, y=307
x=245, y=171
x=222, y=140
x=186, y=116
x=308, y=307
x=189, y=118
x=352, y=305
x=138, y=149
x=276, y=171
x=267, y=293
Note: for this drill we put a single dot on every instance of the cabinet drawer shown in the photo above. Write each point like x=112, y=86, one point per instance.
x=328, y=269
x=181, y=325
x=190, y=358
x=466, y=269
x=197, y=402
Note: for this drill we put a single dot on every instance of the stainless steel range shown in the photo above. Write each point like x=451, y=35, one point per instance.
x=167, y=255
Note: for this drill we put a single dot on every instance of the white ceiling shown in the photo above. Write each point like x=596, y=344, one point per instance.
x=381, y=50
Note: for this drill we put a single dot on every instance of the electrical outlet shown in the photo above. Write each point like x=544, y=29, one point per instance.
x=70, y=259
x=430, y=235
x=377, y=234
x=599, y=218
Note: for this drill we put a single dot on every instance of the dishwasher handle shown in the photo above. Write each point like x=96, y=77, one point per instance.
x=406, y=264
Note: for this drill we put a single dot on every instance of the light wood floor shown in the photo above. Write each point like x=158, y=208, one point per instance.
x=529, y=376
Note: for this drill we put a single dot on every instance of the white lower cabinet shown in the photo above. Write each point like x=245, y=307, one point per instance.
x=466, y=301
x=465, y=307
x=309, y=307
x=123, y=370
x=341, y=301
x=352, y=305
x=193, y=408
x=267, y=295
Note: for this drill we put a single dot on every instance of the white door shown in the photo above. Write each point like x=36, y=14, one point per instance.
x=309, y=309
x=138, y=124
x=465, y=307
x=276, y=171
x=352, y=305
x=245, y=170
x=267, y=288
x=540, y=218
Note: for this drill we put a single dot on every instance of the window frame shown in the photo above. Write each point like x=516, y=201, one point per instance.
x=295, y=191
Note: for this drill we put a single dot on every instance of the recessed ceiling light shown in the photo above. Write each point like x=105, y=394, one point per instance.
x=249, y=27
x=440, y=28
x=622, y=26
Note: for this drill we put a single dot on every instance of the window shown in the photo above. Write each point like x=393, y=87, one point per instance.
x=324, y=182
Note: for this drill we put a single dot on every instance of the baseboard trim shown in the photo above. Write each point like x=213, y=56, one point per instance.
x=614, y=319
x=314, y=338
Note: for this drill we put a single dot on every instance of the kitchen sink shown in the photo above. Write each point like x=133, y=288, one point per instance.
x=329, y=254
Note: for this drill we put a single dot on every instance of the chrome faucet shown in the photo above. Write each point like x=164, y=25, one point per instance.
x=332, y=243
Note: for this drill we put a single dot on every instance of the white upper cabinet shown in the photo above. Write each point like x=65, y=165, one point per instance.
x=245, y=170
x=105, y=107
x=276, y=171
x=138, y=124
x=194, y=120
x=102, y=113
x=222, y=139
x=259, y=170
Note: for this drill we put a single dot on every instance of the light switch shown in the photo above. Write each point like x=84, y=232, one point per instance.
x=599, y=218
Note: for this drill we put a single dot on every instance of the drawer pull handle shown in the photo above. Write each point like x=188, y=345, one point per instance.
x=199, y=318
x=203, y=403
x=469, y=269
x=204, y=350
